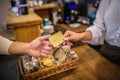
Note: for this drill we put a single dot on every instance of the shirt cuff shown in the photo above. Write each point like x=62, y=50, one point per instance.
x=96, y=40
x=4, y=45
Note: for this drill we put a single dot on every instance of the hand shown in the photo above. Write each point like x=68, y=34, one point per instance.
x=40, y=47
x=72, y=36
x=67, y=42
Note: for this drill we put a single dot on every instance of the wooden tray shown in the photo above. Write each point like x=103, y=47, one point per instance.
x=46, y=72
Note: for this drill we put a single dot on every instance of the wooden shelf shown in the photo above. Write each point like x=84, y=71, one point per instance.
x=45, y=11
x=45, y=6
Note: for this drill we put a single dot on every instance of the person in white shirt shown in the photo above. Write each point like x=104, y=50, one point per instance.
x=107, y=26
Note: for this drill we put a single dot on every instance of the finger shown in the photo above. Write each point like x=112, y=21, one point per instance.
x=47, y=43
x=66, y=39
x=43, y=55
x=67, y=33
x=46, y=51
x=57, y=46
x=47, y=48
x=70, y=44
x=44, y=37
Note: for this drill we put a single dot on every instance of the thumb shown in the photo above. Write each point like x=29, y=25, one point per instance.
x=68, y=39
x=44, y=37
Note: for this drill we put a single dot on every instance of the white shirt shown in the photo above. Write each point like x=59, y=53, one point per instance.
x=107, y=23
x=4, y=45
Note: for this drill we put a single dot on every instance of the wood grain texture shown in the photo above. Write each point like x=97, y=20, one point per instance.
x=25, y=27
x=43, y=13
x=23, y=20
x=27, y=34
x=91, y=66
x=81, y=28
x=45, y=6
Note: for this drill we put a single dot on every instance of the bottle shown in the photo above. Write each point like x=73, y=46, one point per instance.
x=15, y=7
x=23, y=7
x=40, y=2
x=46, y=21
x=59, y=14
x=72, y=18
x=48, y=28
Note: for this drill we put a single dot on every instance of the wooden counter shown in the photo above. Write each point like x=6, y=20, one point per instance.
x=81, y=28
x=26, y=27
x=91, y=66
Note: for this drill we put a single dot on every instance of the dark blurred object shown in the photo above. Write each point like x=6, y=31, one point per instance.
x=23, y=7
x=69, y=9
x=9, y=67
x=82, y=9
x=96, y=47
x=96, y=3
x=47, y=1
x=83, y=20
x=50, y=1
x=13, y=3
x=24, y=10
x=60, y=29
x=23, y=1
x=92, y=16
x=59, y=14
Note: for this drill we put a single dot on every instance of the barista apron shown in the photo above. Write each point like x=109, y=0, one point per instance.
x=8, y=67
x=112, y=53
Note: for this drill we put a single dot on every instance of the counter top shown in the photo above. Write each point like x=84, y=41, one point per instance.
x=81, y=28
x=91, y=66
x=23, y=20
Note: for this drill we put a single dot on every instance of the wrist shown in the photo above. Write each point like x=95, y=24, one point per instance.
x=85, y=36
x=89, y=35
x=27, y=48
x=81, y=36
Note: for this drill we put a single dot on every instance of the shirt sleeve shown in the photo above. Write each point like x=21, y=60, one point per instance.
x=4, y=45
x=98, y=27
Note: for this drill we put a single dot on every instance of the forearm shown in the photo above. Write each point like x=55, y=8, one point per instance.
x=86, y=36
x=18, y=48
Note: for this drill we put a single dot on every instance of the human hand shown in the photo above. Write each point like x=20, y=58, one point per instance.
x=67, y=42
x=72, y=36
x=40, y=47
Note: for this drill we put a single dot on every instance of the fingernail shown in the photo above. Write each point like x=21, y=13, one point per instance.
x=65, y=38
